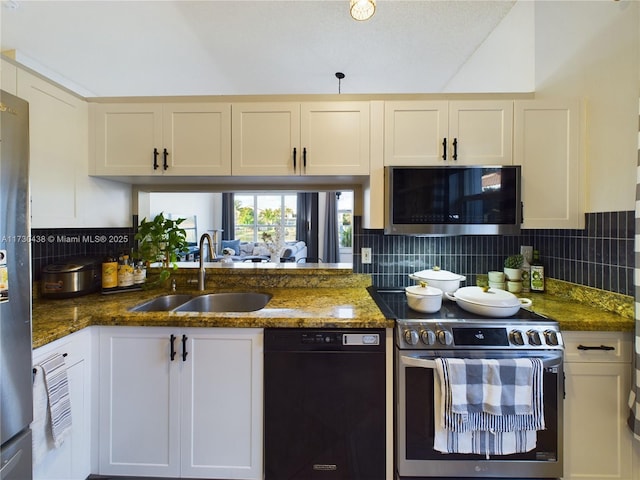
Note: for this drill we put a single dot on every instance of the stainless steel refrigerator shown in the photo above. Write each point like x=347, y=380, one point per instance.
x=16, y=411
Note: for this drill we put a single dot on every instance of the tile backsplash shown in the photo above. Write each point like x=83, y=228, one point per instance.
x=51, y=245
x=600, y=256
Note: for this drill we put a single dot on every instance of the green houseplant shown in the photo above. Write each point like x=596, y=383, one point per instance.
x=512, y=267
x=161, y=240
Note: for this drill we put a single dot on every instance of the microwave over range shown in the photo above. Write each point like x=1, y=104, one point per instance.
x=453, y=200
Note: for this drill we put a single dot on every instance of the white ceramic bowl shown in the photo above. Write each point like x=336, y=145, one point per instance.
x=425, y=299
x=496, y=277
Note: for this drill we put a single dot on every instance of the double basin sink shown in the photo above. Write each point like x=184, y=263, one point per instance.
x=212, y=302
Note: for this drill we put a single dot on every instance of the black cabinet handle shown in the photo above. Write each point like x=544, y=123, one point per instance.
x=444, y=148
x=601, y=347
x=165, y=154
x=173, y=347
x=155, y=158
x=184, y=348
x=294, y=158
x=455, y=149
x=304, y=157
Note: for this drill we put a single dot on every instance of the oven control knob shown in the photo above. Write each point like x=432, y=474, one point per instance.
x=551, y=337
x=411, y=336
x=534, y=338
x=428, y=337
x=516, y=337
x=445, y=337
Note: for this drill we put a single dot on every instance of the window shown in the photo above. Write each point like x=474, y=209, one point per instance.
x=345, y=219
x=264, y=212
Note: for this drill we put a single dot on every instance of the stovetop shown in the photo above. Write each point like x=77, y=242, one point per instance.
x=455, y=328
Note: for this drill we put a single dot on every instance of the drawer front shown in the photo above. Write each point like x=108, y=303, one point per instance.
x=615, y=347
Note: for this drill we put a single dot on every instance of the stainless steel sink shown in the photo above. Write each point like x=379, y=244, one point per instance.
x=226, y=302
x=166, y=303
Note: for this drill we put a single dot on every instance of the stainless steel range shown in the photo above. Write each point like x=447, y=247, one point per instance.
x=453, y=333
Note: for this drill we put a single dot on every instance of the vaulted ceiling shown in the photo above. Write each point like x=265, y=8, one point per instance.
x=211, y=47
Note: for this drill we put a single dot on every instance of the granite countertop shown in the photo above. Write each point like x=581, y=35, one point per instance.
x=329, y=298
x=309, y=297
x=576, y=307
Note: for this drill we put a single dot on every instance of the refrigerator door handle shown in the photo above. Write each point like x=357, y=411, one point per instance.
x=10, y=464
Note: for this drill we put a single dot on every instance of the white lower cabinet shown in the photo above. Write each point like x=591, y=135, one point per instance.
x=72, y=460
x=597, y=442
x=196, y=415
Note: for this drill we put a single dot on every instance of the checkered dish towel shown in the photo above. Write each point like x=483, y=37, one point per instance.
x=494, y=395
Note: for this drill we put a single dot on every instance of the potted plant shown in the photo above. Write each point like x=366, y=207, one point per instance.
x=512, y=267
x=161, y=240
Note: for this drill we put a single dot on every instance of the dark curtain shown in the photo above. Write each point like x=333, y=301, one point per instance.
x=228, y=217
x=331, y=238
x=307, y=222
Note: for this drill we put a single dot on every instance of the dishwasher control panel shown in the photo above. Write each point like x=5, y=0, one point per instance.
x=326, y=339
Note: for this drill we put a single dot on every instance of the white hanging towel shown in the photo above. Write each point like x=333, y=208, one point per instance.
x=51, y=405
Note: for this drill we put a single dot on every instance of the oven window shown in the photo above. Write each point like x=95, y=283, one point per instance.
x=420, y=420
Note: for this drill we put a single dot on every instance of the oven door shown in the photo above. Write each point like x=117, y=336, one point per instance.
x=415, y=455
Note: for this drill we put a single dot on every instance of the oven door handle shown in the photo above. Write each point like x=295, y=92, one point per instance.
x=549, y=359
x=418, y=362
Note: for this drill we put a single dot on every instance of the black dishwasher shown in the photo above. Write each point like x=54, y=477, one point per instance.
x=324, y=395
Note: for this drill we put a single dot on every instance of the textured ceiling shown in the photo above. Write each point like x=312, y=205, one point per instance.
x=132, y=48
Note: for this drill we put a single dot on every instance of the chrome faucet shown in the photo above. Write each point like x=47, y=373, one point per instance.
x=201, y=272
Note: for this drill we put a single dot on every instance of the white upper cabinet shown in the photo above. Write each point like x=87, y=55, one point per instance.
x=178, y=139
x=547, y=143
x=289, y=138
x=474, y=132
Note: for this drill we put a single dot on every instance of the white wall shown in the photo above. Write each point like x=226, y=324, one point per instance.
x=590, y=49
x=206, y=206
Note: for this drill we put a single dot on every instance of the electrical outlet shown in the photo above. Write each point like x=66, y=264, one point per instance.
x=366, y=255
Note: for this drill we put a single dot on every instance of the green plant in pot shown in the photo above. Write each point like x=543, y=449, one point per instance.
x=512, y=267
x=161, y=240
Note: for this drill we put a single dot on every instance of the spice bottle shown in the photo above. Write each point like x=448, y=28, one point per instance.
x=139, y=273
x=537, y=273
x=527, y=258
x=109, y=272
x=125, y=271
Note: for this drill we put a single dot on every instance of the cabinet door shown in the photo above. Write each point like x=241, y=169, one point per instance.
x=335, y=138
x=139, y=402
x=197, y=137
x=125, y=136
x=265, y=139
x=58, y=148
x=482, y=132
x=547, y=145
x=597, y=440
x=414, y=132
x=72, y=460
x=222, y=404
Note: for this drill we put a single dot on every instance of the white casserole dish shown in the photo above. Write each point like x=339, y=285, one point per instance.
x=488, y=302
x=423, y=298
x=442, y=279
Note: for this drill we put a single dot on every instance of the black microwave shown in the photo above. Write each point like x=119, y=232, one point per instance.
x=453, y=200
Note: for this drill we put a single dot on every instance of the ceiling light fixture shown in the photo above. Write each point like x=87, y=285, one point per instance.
x=362, y=9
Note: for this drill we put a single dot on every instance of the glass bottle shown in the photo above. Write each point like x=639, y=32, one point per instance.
x=125, y=272
x=109, y=272
x=140, y=273
x=537, y=273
